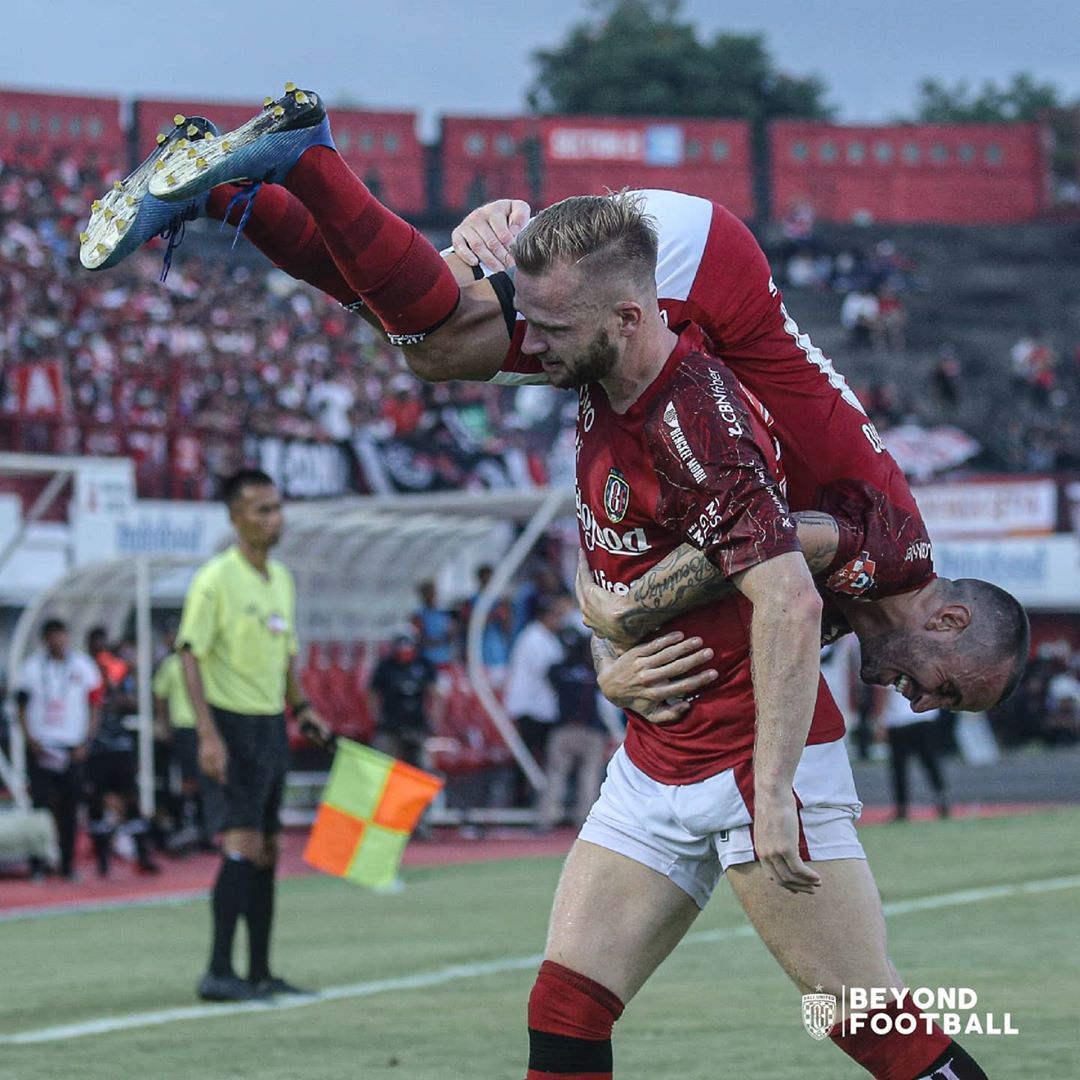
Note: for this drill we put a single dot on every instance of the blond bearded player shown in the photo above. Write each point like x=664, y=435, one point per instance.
x=753, y=781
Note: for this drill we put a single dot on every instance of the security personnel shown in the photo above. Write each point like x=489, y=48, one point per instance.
x=237, y=643
x=58, y=710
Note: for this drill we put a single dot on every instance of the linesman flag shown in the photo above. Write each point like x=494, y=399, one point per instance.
x=368, y=812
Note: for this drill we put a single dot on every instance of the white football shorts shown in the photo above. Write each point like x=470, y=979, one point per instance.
x=691, y=833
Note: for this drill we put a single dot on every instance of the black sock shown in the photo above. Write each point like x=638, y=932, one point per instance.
x=230, y=899
x=260, y=919
x=954, y=1064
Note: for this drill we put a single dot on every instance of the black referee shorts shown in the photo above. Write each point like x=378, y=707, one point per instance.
x=258, y=749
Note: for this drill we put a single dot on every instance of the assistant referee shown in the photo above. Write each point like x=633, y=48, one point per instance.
x=237, y=642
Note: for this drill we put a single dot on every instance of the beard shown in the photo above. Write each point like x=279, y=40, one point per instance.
x=895, y=651
x=596, y=363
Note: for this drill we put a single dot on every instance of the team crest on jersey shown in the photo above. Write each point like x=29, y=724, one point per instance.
x=616, y=497
x=855, y=577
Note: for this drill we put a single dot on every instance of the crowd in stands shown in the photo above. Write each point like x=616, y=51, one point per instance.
x=1033, y=428
x=172, y=373
x=187, y=376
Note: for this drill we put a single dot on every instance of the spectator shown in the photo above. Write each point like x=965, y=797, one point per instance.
x=495, y=644
x=58, y=719
x=579, y=740
x=495, y=639
x=436, y=627
x=401, y=698
x=803, y=270
x=886, y=266
x=946, y=378
x=112, y=764
x=892, y=318
x=910, y=733
x=330, y=403
x=531, y=700
x=798, y=224
x=404, y=408
x=168, y=375
x=859, y=316
x=1063, y=707
x=1034, y=364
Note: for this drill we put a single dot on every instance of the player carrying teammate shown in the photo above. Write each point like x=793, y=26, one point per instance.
x=754, y=780
x=314, y=218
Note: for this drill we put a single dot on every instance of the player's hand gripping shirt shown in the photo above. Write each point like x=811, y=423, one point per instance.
x=688, y=462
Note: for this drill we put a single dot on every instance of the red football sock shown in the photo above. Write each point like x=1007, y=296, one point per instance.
x=399, y=275
x=570, y=1022
x=283, y=230
x=894, y=1056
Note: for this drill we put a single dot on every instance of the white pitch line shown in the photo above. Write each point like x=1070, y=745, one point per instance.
x=426, y=979
x=96, y=907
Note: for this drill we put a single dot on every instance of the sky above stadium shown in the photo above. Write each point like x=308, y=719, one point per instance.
x=468, y=56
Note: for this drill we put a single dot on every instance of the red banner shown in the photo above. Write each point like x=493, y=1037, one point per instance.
x=40, y=388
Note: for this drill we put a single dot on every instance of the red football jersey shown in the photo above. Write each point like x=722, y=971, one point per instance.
x=688, y=462
x=711, y=270
x=882, y=550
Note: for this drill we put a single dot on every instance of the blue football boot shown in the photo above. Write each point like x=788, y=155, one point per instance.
x=126, y=217
x=262, y=150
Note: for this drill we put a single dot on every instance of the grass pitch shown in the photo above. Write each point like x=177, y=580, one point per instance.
x=716, y=1008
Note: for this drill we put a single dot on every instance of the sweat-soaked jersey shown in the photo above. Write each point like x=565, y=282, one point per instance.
x=688, y=462
x=710, y=270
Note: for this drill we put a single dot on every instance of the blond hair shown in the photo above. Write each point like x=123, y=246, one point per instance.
x=598, y=233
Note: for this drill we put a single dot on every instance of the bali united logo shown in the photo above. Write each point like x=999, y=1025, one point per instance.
x=855, y=577
x=616, y=497
x=818, y=1014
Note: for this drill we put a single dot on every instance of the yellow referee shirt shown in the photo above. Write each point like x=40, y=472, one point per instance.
x=241, y=628
x=169, y=685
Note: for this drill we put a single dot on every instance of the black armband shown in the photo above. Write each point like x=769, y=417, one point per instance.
x=503, y=284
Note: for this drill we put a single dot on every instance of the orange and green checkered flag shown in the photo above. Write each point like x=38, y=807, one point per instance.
x=369, y=809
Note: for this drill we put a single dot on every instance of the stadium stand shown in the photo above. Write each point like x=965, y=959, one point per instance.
x=589, y=155
x=549, y=158
x=488, y=158
x=119, y=365
x=38, y=131
x=957, y=174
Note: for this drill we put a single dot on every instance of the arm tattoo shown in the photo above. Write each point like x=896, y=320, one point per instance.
x=686, y=579
x=682, y=580
x=819, y=536
x=602, y=652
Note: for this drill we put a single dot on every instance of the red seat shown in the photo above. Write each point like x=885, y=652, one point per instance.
x=472, y=740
